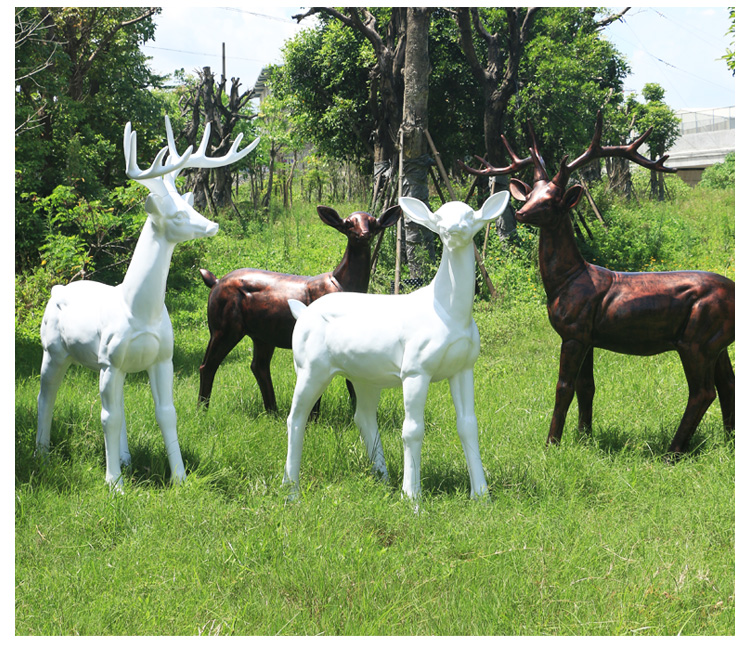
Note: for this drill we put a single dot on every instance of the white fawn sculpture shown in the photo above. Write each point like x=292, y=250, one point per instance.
x=382, y=341
x=126, y=328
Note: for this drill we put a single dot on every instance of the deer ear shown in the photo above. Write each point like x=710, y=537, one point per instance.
x=189, y=198
x=493, y=206
x=390, y=216
x=572, y=195
x=153, y=205
x=416, y=211
x=330, y=217
x=520, y=190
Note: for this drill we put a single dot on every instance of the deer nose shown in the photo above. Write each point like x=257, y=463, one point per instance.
x=212, y=228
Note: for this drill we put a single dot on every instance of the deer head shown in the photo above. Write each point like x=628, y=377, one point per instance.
x=359, y=227
x=172, y=213
x=455, y=223
x=546, y=201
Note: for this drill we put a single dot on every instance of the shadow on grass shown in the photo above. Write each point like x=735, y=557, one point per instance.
x=650, y=442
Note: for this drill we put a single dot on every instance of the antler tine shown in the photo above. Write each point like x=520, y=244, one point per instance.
x=631, y=152
x=597, y=151
x=157, y=168
x=540, y=169
x=198, y=159
x=490, y=171
x=594, y=151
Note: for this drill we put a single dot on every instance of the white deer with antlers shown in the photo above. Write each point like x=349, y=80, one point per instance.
x=126, y=328
x=411, y=340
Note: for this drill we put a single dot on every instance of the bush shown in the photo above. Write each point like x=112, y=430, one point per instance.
x=86, y=237
x=719, y=175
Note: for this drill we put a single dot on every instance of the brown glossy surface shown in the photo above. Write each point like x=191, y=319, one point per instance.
x=254, y=302
x=690, y=312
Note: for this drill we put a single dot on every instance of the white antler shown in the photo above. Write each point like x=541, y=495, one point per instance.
x=199, y=159
x=157, y=169
x=175, y=162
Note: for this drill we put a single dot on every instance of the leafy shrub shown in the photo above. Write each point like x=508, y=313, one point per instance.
x=719, y=175
x=85, y=237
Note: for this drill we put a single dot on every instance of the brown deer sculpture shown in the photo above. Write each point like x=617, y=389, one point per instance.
x=640, y=313
x=254, y=302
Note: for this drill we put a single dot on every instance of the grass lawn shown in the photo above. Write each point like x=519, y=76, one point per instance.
x=599, y=536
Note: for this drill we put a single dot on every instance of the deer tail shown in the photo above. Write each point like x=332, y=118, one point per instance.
x=208, y=278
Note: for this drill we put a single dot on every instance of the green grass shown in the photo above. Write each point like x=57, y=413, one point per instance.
x=599, y=536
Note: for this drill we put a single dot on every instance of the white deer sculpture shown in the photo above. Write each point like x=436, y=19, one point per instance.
x=126, y=328
x=384, y=341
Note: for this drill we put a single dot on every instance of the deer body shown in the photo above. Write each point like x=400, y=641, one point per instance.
x=126, y=328
x=644, y=313
x=254, y=302
x=636, y=313
x=410, y=340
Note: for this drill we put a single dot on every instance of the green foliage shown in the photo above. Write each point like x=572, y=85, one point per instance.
x=719, y=175
x=323, y=84
x=729, y=56
x=82, y=235
x=694, y=229
x=567, y=69
x=70, y=115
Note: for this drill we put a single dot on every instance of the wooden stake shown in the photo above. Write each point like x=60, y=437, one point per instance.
x=397, y=282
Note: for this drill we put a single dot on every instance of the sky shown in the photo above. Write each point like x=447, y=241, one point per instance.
x=678, y=47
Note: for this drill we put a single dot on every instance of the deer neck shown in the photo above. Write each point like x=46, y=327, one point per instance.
x=560, y=260
x=145, y=282
x=453, y=285
x=353, y=272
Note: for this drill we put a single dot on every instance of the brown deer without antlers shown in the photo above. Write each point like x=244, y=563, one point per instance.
x=691, y=312
x=254, y=302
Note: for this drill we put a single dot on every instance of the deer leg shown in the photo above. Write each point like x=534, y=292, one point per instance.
x=52, y=374
x=310, y=385
x=699, y=372
x=111, y=385
x=161, y=376
x=572, y=354
x=585, y=389
x=219, y=346
x=366, y=419
x=124, y=449
x=261, y=367
x=462, y=391
x=412, y=434
x=724, y=378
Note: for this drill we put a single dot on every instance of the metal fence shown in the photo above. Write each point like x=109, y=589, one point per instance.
x=713, y=120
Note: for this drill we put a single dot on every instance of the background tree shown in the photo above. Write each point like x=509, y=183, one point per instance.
x=276, y=125
x=666, y=128
x=386, y=83
x=207, y=101
x=415, y=152
x=80, y=77
x=567, y=74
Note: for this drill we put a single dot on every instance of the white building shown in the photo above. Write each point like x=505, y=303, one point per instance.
x=706, y=138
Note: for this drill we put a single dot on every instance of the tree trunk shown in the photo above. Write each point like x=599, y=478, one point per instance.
x=208, y=103
x=415, y=152
x=498, y=79
x=266, y=201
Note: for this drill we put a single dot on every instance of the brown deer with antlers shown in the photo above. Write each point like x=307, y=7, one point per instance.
x=254, y=302
x=691, y=312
